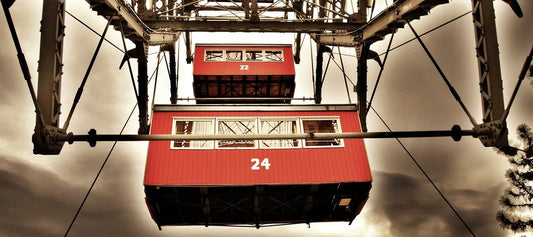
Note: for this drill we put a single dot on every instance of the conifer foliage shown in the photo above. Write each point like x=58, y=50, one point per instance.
x=517, y=201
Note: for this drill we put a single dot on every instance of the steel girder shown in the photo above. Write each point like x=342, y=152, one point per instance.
x=490, y=79
x=49, y=82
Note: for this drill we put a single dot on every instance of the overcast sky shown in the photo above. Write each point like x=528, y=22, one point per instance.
x=40, y=194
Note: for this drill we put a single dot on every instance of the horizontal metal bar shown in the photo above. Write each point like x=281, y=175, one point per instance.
x=455, y=132
x=253, y=107
x=247, y=98
x=248, y=26
x=237, y=8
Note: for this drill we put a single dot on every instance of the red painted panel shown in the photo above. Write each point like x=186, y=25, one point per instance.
x=201, y=67
x=167, y=166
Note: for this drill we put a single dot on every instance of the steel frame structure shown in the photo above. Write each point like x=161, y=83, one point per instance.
x=328, y=22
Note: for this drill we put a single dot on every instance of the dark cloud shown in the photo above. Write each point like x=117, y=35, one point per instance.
x=414, y=208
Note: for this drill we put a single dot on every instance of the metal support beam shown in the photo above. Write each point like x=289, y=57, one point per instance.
x=258, y=198
x=489, y=69
x=387, y=22
x=249, y=26
x=206, y=206
x=188, y=47
x=49, y=82
x=134, y=23
x=142, y=80
x=362, y=85
x=456, y=133
x=318, y=73
x=298, y=48
x=171, y=48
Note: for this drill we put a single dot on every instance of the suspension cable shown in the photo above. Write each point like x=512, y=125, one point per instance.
x=116, y=139
x=326, y=70
x=420, y=167
x=91, y=29
x=429, y=31
x=423, y=34
x=380, y=73
x=128, y=61
x=157, y=74
x=521, y=77
x=177, y=67
x=22, y=62
x=426, y=175
x=80, y=89
x=99, y=172
x=312, y=65
x=345, y=76
x=450, y=87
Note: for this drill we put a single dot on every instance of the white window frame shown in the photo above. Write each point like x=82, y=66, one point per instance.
x=337, y=118
x=223, y=55
x=257, y=130
x=211, y=143
x=296, y=119
x=243, y=56
x=254, y=119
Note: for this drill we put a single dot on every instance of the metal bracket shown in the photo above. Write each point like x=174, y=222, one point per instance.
x=497, y=136
x=45, y=140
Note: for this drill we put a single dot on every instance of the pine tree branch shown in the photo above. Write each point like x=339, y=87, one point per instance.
x=513, y=222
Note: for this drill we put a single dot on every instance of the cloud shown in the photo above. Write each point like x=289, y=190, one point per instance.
x=414, y=208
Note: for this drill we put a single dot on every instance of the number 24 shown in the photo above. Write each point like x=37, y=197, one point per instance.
x=258, y=163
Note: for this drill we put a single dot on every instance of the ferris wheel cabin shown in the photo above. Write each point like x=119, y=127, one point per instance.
x=253, y=182
x=243, y=74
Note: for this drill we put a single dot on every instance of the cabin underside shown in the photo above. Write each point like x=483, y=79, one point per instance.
x=256, y=205
x=243, y=89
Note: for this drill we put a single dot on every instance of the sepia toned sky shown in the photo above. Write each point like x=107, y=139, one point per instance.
x=40, y=194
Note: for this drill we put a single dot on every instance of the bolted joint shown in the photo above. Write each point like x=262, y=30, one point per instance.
x=45, y=140
x=497, y=134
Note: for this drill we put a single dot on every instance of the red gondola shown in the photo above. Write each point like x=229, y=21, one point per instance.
x=243, y=71
x=253, y=182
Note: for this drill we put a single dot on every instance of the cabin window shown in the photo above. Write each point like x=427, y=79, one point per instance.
x=321, y=126
x=193, y=127
x=278, y=126
x=241, y=55
x=234, y=55
x=214, y=55
x=273, y=55
x=256, y=125
x=236, y=126
x=254, y=55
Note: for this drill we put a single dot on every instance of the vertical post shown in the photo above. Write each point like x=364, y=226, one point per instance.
x=188, y=47
x=173, y=76
x=361, y=10
x=254, y=15
x=322, y=10
x=298, y=48
x=142, y=81
x=362, y=86
x=489, y=70
x=318, y=73
x=50, y=72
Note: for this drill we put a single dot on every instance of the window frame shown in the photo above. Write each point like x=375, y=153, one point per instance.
x=296, y=119
x=243, y=55
x=176, y=119
x=214, y=144
x=339, y=128
x=254, y=119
